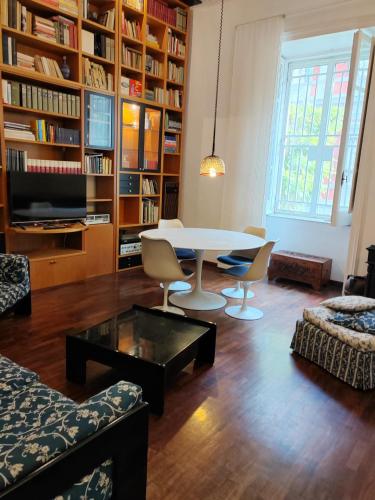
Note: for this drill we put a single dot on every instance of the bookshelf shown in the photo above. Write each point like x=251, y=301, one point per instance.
x=49, y=104
x=159, y=71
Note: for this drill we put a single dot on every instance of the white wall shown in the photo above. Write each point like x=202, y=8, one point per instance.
x=202, y=197
x=314, y=238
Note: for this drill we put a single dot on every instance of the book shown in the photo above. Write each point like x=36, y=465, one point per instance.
x=87, y=38
x=175, y=45
x=153, y=66
x=130, y=27
x=175, y=73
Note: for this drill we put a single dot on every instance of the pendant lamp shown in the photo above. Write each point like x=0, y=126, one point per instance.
x=213, y=165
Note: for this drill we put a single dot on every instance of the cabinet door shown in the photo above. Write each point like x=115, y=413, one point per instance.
x=130, y=137
x=99, y=120
x=151, y=138
x=99, y=250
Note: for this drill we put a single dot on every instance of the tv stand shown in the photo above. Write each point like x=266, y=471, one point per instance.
x=50, y=228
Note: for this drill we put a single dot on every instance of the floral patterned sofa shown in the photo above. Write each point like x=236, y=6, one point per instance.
x=53, y=448
x=15, y=284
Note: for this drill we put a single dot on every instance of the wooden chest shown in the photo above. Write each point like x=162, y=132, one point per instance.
x=304, y=268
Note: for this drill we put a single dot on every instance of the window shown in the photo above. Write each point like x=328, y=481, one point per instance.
x=320, y=109
x=313, y=118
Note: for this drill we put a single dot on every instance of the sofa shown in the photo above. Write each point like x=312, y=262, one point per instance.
x=54, y=448
x=15, y=291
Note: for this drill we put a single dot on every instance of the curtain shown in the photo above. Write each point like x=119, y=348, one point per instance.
x=254, y=84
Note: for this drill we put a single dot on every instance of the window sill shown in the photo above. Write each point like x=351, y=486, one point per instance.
x=298, y=218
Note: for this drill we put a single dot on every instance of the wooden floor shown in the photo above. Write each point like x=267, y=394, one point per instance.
x=260, y=424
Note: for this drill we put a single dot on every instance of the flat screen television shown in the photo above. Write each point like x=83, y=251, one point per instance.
x=35, y=197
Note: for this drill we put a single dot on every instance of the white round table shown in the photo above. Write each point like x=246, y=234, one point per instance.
x=201, y=240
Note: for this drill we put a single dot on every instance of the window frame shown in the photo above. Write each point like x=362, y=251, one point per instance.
x=279, y=130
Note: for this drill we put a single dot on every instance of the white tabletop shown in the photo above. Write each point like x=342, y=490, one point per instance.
x=206, y=239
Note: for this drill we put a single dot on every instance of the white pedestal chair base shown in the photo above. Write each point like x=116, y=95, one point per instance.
x=236, y=293
x=249, y=313
x=170, y=309
x=178, y=286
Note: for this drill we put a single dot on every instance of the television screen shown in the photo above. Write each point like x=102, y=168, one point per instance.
x=35, y=197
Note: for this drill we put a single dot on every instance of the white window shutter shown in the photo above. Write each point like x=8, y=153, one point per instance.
x=352, y=132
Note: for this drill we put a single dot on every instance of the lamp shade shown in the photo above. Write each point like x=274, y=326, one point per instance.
x=212, y=166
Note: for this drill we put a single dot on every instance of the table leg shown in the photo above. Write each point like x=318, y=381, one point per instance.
x=198, y=299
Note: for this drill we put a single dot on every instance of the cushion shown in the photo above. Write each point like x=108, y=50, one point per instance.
x=10, y=294
x=233, y=260
x=185, y=254
x=350, y=303
x=363, y=321
x=13, y=378
x=237, y=271
x=53, y=436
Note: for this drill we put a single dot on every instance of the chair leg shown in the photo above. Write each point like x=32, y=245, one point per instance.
x=245, y=294
x=165, y=307
x=244, y=311
x=236, y=292
x=23, y=306
x=165, y=290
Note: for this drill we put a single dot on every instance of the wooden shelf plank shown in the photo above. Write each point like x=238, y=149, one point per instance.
x=99, y=175
x=12, y=107
x=41, y=143
x=131, y=40
x=99, y=200
x=26, y=74
x=176, y=84
x=39, y=42
x=130, y=68
x=74, y=228
x=156, y=50
x=175, y=57
x=99, y=91
x=87, y=23
x=52, y=253
x=44, y=6
x=128, y=8
x=98, y=59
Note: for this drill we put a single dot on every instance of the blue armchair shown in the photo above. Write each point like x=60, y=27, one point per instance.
x=15, y=291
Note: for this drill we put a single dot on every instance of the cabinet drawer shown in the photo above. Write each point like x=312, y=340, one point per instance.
x=57, y=270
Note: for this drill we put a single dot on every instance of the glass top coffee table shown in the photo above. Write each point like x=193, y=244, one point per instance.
x=147, y=347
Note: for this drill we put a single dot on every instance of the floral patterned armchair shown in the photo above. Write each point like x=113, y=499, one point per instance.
x=53, y=448
x=15, y=284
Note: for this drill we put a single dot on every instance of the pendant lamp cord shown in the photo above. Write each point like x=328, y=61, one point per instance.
x=218, y=75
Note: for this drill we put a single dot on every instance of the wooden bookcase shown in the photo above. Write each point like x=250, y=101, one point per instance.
x=129, y=206
x=66, y=257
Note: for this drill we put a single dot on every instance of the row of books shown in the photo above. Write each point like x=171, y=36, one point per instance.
x=171, y=123
x=50, y=132
x=131, y=57
x=95, y=76
x=171, y=143
x=175, y=17
x=175, y=73
x=42, y=99
x=131, y=28
x=135, y=4
x=97, y=164
x=106, y=18
x=150, y=211
x=41, y=131
x=156, y=94
x=175, y=46
x=58, y=29
x=98, y=44
x=18, y=161
x=15, y=15
x=130, y=87
x=153, y=66
x=38, y=63
x=149, y=164
x=173, y=98
x=149, y=186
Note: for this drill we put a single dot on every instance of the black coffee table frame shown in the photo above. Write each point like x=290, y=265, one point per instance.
x=151, y=376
